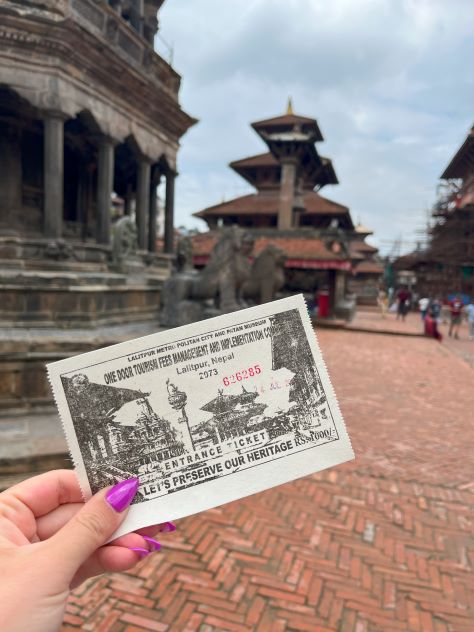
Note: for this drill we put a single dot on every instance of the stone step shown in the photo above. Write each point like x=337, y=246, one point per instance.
x=13, y=471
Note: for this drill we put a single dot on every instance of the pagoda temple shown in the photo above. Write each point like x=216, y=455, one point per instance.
x=288, y=211
x=231, y=414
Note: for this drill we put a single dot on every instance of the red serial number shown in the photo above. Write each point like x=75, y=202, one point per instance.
x=238, y=376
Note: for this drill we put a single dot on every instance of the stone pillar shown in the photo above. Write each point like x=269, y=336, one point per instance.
x=143, y=201
x=340, y=286
x=53, y=174
x=105, y=185
x=137, y=15
x=332, y=290
x=155, y=181
x=287, y=193
x=10, y=177
x=169, y=212
x=128, y=199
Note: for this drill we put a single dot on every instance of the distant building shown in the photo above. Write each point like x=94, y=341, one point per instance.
x=367, y=268
x=447, y=264
x=287, y=209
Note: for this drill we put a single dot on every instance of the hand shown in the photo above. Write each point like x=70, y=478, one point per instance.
x=50, y=541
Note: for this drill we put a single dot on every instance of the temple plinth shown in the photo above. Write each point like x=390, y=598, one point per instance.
x=90, y=122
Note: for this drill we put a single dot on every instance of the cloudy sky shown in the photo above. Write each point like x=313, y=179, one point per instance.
x=389, y=81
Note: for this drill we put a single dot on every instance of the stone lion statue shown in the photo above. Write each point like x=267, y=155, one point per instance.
x=124, y=239
x=227, y=270
x=189, y=295
x=267, y=276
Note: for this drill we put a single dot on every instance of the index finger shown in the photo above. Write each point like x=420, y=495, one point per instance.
x=45, y=492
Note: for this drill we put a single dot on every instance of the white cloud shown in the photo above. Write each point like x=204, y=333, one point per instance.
x=388, y=80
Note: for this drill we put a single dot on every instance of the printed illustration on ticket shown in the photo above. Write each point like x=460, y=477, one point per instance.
x=203, y=414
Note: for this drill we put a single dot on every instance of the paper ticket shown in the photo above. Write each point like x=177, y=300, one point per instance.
x=203, y=414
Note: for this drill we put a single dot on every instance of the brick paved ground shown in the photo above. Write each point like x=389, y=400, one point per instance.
x=380, y=544
x=370, y=318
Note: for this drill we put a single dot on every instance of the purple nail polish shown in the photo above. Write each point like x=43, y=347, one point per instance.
x=121, y=495
x=140, y=551
x=154, y=543
x=167, y=527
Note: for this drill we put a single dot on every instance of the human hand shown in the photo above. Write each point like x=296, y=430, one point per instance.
x=50, y=541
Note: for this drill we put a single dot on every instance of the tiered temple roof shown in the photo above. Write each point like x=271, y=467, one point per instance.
x=287, y=209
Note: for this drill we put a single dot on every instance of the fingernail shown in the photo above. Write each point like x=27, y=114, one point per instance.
x=154, y=543
x=140, y=551
x=167, y=527
x=121, y=495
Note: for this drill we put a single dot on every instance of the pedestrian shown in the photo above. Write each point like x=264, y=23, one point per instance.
x=382, y=302
x=423, y=305
x=50, y=542
x=455, y=307
x=403, y=305
x=431, y=324
x=437, y=307
x=470, y=319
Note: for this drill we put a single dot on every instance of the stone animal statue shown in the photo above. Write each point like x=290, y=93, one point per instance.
x=267, y=276
x=124, y=239
x=189, y=295
x=227, y=270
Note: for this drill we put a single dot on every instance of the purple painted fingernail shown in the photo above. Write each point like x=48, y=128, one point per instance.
x=121, y=495
x=140, y=551
x=167, y=527
x=154, y=543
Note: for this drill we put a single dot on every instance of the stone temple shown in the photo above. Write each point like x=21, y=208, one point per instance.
x=89, y=114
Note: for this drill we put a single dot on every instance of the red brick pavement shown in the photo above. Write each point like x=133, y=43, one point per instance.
x=381, y=544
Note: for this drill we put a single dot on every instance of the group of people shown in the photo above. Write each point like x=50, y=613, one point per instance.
x=433, y=311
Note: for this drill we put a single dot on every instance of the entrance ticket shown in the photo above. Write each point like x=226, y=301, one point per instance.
x=203, y=414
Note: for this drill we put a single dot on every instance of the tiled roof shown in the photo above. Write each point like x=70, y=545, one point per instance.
x=369, y=267
x=285, y=119
x=268, y=203
x=361, y=246
x=288, y=122
x=261, y=160
x=315, y=203
x=363, y=230
x=293, y=247
x=462, y=161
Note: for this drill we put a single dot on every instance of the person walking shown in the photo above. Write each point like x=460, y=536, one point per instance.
x=455, y=307
x=423, y=305
x=382, y=302
x=431, y=324
x=470, y=319
x=403, y=298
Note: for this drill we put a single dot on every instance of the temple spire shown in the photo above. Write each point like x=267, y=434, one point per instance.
x=289, y=107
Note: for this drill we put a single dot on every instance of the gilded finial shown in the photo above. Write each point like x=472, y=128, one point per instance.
x=289, y=108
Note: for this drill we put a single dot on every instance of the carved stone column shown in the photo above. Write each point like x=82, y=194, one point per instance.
x=169, y=212
x=10, y=177
x=53, y=174
x=143, y=201
x=155, y=181
x=128, y=199
x=287, y=193
x=105, y=184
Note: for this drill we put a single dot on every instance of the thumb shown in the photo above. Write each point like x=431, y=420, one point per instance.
x=92, y=526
